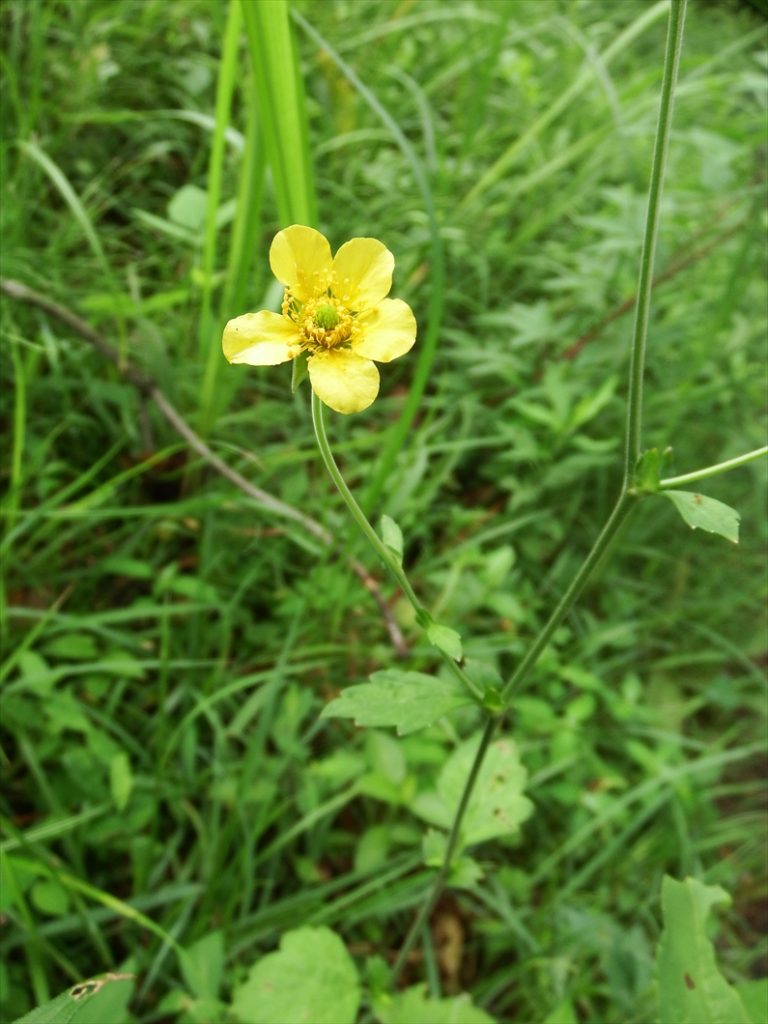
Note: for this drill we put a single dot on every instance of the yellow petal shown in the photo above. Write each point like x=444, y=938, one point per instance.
x=362, y=273
x=301, y=260
x=261, y=339
x=344, y=381
x=386, y=331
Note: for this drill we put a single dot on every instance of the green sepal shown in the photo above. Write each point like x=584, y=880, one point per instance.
x=299, y=371
x=406, y=701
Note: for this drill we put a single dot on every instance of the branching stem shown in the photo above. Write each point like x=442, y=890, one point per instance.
x=626, y=500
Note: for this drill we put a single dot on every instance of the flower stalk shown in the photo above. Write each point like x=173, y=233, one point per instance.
x=386, y=556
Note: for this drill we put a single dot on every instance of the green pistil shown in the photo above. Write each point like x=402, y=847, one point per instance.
x=326, y=317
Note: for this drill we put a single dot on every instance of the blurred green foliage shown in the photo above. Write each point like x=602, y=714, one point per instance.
x=169, y=646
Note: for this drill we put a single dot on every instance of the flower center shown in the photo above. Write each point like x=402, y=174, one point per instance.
x=323, y=322
x=326, y=317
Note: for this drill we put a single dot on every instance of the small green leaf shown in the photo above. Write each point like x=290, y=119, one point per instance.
x=73, y=647
x=648, y=471
x=386, y=757
x=484, y=673
x=188, y=586
x=448, y=640
x=464, y=873
x=407, y=701
x=311, y=978
x=392, y=536
x=120, y=780
x=493, y=701
x=413, y=1006
x=188, y=207
x=299, y=371
x=203, y=965
x=102, y=1000
x=691, y=989
x=497, y=806
x=373, y=849
x=701, y=512
x=50, y=897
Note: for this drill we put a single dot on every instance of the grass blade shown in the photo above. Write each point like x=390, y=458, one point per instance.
x=280, y=99
x=207, y=347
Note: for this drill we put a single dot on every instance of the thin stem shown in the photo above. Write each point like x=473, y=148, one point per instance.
x=453, y=839
x=719, y=467
x=566, y=602
x=660, y=151
x=376, y=543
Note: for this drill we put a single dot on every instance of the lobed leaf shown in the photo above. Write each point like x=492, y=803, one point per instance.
x=406, y=701
x=310, y=978
x=497, y=806
x=691, y=989
x=413, y=1006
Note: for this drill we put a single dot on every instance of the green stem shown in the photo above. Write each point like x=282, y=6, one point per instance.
x=453, y=839
x=660, y=151
x=626, y=499
x=386, y=556
x=566, y=602
x=624, y=503
x=719, y=467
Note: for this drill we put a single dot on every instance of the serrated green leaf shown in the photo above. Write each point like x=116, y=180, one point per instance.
x=102, y=1000
x=392, y=536
x=310, y=978
x=703, y=513
x=414, y=1007
x=446, y=639
x=691, y=989
x=406, y=701
x=497, y=806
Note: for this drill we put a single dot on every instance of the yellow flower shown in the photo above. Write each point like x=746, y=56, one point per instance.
x=335, y=310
